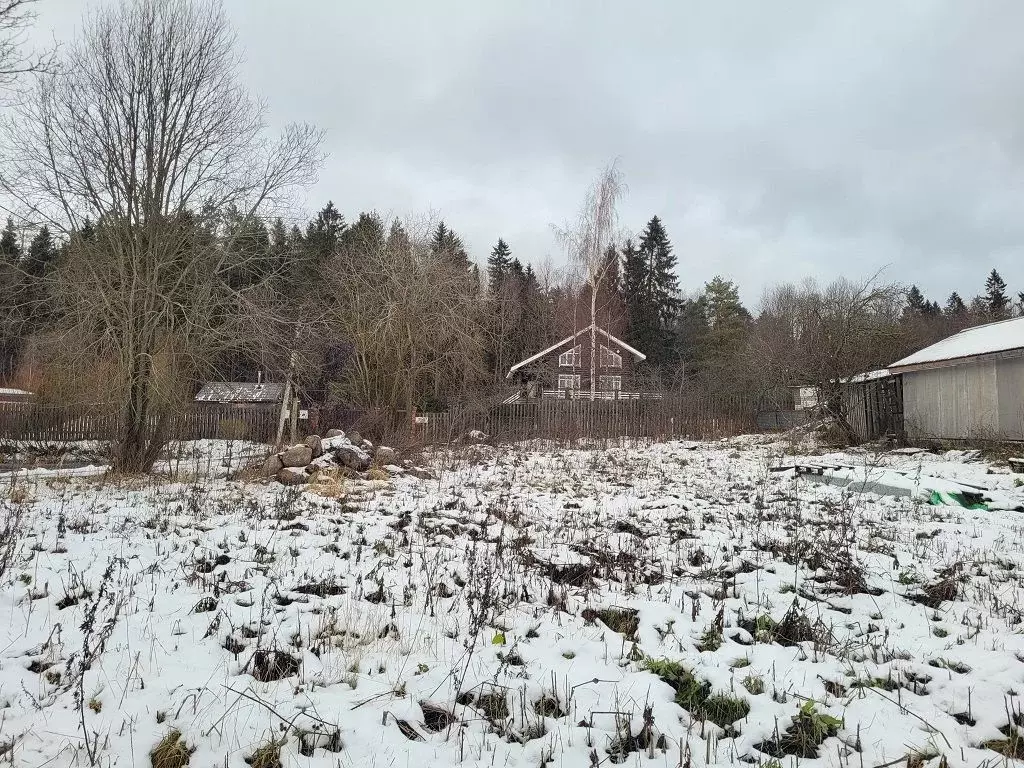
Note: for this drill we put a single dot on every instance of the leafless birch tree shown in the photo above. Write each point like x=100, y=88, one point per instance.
x=588, y=239
x=145, y=131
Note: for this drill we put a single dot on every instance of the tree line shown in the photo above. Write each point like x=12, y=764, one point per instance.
x=153, y=246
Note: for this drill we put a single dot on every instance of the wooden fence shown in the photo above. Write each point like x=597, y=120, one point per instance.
x=698, y=417
x=566, y=421
x=37, y=422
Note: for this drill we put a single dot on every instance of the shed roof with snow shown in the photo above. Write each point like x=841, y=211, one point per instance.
x=240, y=392
x=971, y=345
x=12, y=395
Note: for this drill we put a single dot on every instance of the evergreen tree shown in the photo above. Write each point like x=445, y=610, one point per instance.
x=691, y=329
x=955, y=305
x=10, y=250
x=663, y=285
x=42, y=254
x=448, y=247
x=611, y=282
x=365, y=236
x=247, y=241
x=651, y=290
x=323, y=234
x=88, y=231
x=726, y=321
x=279, y=243
x=398, y=239
x=641, y=312
x=611, y=306
x=916, y=303
x=1020, y=302
x=995, y=294
x=498, y=265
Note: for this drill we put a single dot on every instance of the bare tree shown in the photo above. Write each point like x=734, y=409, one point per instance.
x=414, y=322
x=16, y=16
x=145, y=132
x=587, y=242
x=814, y=336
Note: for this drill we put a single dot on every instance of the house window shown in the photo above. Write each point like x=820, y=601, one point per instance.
x=610, y=358
x=568, y=381
x=610, y=383
x=571, y=358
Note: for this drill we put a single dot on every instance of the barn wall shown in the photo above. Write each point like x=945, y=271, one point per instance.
x=969, y=401
x=1010, y=389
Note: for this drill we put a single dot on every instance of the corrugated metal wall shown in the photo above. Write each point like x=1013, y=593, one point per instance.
x=970, y=401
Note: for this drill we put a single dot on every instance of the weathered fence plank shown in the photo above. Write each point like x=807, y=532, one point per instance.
x=39, y=422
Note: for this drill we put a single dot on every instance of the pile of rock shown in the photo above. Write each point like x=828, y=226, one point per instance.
x=347, y=456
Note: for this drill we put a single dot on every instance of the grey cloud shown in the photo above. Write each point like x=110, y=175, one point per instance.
x=775, y=140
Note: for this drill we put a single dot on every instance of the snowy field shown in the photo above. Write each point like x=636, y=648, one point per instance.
x=667, y=605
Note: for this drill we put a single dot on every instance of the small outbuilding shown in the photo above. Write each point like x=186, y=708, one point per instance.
x=969, y=386
x=12, y=395
x=241, y=394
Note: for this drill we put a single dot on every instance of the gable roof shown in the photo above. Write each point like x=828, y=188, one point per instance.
x=635, y=352
x=240, y=392
x=1003, y=336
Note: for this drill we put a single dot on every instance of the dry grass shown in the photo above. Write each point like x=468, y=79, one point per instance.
x=171, y=752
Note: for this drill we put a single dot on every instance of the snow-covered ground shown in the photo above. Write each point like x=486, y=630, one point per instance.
x=675, y=604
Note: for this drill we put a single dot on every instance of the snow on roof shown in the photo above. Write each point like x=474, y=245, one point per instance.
x=635, y=352
x=240, y=392
x=860, y=378
x=980, y=340
x=9, y=391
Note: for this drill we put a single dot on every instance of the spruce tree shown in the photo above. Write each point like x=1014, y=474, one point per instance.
x=641, y=312
x=10, y=250
x=41, y=255
x=916, y=302
x=611, y=281
x=955, y=305
x=498, y=265
x=398, y=240
x=324, y=233
x=365, y=236
x=448, y=247
x=995, y=294
x=656, y=250
x=279, y=245
x=651, y=289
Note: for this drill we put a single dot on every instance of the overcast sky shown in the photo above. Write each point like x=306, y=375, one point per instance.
x=775, y=140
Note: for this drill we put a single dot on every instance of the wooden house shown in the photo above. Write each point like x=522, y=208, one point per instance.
x=563, y=370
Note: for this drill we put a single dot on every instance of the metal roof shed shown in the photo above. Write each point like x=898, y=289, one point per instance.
x=969, y=386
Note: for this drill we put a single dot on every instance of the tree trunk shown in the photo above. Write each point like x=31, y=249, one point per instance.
x=130, y=454
x=593, y=340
